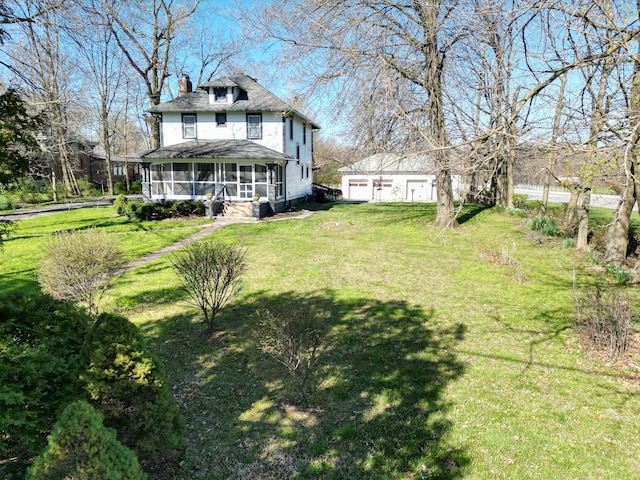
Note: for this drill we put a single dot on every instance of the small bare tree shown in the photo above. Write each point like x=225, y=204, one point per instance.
x=80, y=265
x=210, y=274
x=295, y=337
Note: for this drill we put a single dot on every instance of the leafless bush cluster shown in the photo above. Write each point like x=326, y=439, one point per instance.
x=210, y=272
x=604, y=318
x=296, y=338
x=80, y=265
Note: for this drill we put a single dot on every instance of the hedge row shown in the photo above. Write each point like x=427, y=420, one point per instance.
x=140, y=210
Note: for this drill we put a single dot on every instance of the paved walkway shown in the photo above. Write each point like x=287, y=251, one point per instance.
x=217, y=224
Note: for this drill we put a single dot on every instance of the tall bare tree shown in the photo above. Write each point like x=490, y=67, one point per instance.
x=145, y=31
x=103, y=65
x=410, y=39
x=42, y=61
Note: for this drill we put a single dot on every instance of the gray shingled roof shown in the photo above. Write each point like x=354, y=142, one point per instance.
x=257, y=99
x=218, y=149
x=392, y=163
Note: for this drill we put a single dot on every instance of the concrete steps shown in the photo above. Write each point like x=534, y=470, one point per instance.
x=236, y=210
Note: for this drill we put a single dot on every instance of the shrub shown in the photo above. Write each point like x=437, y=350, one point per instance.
x=545, y=225
x=6, y=227
x=119, y=188
x=533, y=205
x=81, y=447
x=210, y=274
x=87, y=189
x=520, y=200
x=79, y=266
x=295, y=337
x=187, y=208
x=160, y=210
x=135, y=186
x=604, y=318
x=128, y=386
x=40, y=343
x=568, y=243
x=120, y=204
x=621, y=274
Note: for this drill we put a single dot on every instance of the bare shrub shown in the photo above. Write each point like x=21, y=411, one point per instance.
x=80, y=265
x=604, y=318
x=210, y=274
x=296, y=338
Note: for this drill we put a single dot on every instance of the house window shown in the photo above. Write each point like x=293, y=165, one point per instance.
x=221, y=119
x=304, y=133
x=307, y=171
x=220, y=94
x=291, y=128
x=298, y=152
x=189, y=126
x=254, y=125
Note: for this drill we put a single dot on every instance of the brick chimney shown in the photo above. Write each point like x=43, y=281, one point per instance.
x=184, y=85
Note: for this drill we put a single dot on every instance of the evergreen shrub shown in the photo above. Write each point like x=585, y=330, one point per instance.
x=40, y=343
x=127, y=385
x=81, y=447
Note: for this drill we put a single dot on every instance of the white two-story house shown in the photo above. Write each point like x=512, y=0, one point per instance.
x=231, y=139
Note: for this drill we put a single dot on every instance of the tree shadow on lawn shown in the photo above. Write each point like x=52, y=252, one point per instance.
x=10, y=283
x=378, y=411
x=469, y=211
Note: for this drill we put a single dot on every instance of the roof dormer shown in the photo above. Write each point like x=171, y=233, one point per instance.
x=222, y=90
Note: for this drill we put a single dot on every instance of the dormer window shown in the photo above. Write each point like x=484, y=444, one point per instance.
x=220, y=94
x=189, y=126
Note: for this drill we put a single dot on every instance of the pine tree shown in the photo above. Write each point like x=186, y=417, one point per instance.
x=81, y=447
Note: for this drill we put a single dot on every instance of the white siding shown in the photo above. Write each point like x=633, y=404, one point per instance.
x=395, y=187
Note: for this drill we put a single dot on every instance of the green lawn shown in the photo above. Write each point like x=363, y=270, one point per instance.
x=452, y=355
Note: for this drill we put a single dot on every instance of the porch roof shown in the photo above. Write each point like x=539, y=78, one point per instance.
x=219, y=150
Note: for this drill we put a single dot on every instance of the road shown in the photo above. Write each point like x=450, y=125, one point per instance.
x=32, y=212
x=605, y=201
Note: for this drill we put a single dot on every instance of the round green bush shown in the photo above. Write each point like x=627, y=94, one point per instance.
x=40, y=343
x=120, y=204
x=127, y=385
x=81, y=447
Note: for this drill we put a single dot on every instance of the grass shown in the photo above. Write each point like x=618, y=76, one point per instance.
x=452, y=355
x=23, y=251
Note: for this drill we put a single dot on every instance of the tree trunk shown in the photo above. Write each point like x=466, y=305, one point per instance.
x=571, y=215
x=583, y=219
x=618, y=233
x=545, y=190
x=445, y=217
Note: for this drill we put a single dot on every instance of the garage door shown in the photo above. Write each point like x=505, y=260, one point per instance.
x=383, y=192
x=359, y=190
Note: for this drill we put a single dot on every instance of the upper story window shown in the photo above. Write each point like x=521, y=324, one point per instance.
x=220, y=94
x=189, y=125
x=254, y=125
x=291, y=128
x=221, y=119
x=304, y=133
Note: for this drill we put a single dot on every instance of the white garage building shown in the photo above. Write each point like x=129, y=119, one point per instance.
x=388, y=177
